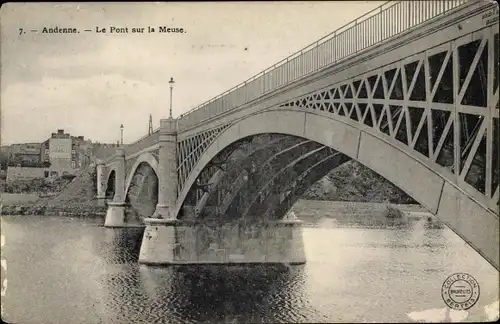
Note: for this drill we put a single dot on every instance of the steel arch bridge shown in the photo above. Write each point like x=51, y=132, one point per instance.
x=416, y=102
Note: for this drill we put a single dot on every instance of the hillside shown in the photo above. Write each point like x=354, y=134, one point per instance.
x=81, y=190
x=76, y=196
x=353, y=181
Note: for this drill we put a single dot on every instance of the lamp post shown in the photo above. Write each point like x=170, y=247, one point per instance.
x=171, y=83
x=121, y=130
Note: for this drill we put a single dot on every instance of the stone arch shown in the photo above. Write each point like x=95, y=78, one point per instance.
x=111, y=184
x=466, y=216
x=148, y=158
x=141, y=187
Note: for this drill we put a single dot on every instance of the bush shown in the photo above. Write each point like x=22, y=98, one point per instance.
x=68, y=176
x=36, y=185
x=392, y=212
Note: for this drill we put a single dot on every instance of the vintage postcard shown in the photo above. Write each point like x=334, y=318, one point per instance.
x=249, y=162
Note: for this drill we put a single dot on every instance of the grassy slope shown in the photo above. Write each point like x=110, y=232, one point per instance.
x=81, y=190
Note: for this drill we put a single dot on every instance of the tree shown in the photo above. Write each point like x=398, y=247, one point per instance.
x=4, y=160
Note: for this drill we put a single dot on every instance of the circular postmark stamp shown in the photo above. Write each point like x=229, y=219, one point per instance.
x=460, y=291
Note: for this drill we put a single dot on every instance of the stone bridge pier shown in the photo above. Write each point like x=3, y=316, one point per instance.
x=101, y=179
x=115, y=215
x=171, y=241
x=101, y=182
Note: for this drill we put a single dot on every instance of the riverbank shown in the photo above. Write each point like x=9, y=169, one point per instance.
x=76, y=198
x=360, y=214
x=41, y=209
x=304, y=209
x=349, y=209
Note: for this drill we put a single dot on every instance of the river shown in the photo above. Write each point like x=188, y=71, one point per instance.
x=62, y=270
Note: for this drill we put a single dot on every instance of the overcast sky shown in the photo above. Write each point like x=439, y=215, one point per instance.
x=89, y=83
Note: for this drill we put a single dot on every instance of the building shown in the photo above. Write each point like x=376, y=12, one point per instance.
x=60, y=150
x=81, y=152
x=4, y=157
x=26, y=154
x=59, y=155
x=67, y=154
x=46, y=149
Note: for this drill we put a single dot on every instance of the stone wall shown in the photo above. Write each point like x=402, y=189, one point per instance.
x=24, y=173
x=8, y=199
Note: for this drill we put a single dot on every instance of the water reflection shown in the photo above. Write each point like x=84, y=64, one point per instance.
x=120, y=245
x=433, y=240
x=180, y=294
x=224, y=293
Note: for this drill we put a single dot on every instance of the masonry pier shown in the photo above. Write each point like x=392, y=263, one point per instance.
x=177, y=242
x=167, y=170
x=101, y=182
x=115, y=215
x=101, y=179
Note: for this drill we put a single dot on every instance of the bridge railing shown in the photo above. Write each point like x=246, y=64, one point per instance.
x=142, y=143
x=386, y=21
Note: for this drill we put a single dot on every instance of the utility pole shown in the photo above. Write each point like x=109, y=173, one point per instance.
x=171, y=82
x=150, y=130
x=121, y=129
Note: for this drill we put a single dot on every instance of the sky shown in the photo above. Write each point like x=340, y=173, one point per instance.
x=90, y=83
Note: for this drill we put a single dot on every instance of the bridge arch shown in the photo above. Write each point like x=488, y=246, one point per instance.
x=340, y=135
x=148, y=158
x=111, y=184
x=141, y=187
x=246, y=159
x=466, y=216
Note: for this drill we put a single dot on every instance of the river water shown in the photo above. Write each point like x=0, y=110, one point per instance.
x=62, y=270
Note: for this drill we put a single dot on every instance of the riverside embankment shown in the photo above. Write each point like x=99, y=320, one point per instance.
x=75, y=197
x=356, y=214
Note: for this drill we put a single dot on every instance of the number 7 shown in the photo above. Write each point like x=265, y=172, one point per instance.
x=20, y=31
